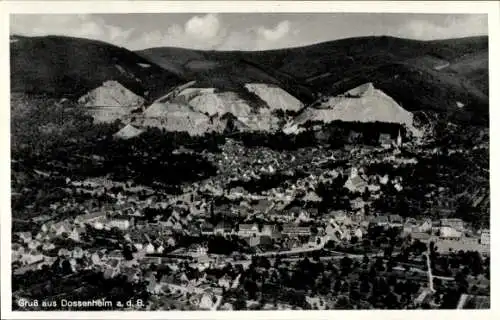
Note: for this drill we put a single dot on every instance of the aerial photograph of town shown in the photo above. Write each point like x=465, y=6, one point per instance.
x=249, y=161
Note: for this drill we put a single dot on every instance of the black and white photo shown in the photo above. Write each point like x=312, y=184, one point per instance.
x=227, y=161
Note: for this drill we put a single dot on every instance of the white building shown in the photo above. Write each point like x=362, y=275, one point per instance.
x=150, y=248
x=247, y=230
x=449, y=233
x=485, y=237
x=120, y=223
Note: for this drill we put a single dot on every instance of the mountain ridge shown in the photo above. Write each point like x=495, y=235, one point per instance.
x=431, y=76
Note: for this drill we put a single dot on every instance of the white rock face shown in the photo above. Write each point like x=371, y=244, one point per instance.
x=111, y=94
x=178, y=117
x=275, y=97
x=201, y=110
x=221, y=103
x=361, y=104
x=128, y=132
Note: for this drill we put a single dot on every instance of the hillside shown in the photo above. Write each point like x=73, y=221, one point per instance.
x=70, y=67
x=420, y=75
x=426, y=76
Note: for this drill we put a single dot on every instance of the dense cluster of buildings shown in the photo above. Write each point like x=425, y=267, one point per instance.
x=137, y=227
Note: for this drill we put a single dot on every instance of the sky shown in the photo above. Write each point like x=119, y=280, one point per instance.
x=245, y=31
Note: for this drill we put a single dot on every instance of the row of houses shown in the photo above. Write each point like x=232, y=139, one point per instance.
x=252, y=230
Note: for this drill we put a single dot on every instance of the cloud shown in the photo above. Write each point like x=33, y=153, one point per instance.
x=199, y=32
x=450, y=27
x=206, y=32
x=276, y=33
x=211, y=32
x=205, y=27
x=261, y=38
x=82, y=26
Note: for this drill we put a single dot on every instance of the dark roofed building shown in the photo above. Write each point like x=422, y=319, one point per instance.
x=271, y=231
x=247, y=230
x=395, y=220
x=207, y=228
x=223, y=228
x=454, y=223
x=385, y=139
x=380, y=221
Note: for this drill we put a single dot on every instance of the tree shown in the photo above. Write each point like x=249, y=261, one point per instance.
x=343, y=303
x=345, y=265
x=66, y=267
x=354, y=240
x=127, y=253
x=240, y=303
x=338, y=286
x=251, y=288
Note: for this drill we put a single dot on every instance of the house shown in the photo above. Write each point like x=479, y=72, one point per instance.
x=34, y=244
x=25, y=237
x=63, y=252
x=410, y=225
x=467, y=301
x=160, y=249
x=206, y=301
x=132, y=275
x=150, y=249
x=485, y=237
x=380, y=221
x=198, y=250
x=333, y=232
x=48, y=246
x=385, y=140
x=293, y=230
x=182, y=278
x=248, y=230
x=395, y=221
x=31, y=258
x=384, y=180
x=207, y=228
x=425, y=226
x=257, y=240
x=423, y=296
x=341, y=217
x=449, y=233
x=312, y=196
x=223, y=228
x=271, y=231
x=75, y=233
x=225, y=282
x=355, y=184
x=303, y=216
x=95, y=258
x=90, y=218
x=358, y=233
x=454, y=223
x=354, y=136
x=153, y=287
x=120, y=222
x=77, y=253
x=41, y=218
x=61, y=227
x=436, y=226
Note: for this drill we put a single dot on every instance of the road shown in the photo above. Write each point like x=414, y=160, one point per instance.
x=337, y=255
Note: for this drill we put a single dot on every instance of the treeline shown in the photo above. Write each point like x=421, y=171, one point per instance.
x=266, y=181
x=335, y=134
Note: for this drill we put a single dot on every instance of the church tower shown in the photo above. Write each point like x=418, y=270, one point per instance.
x=399, y=139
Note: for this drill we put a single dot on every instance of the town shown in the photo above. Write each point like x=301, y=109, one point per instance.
x=305, y=161
x=247, y=231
